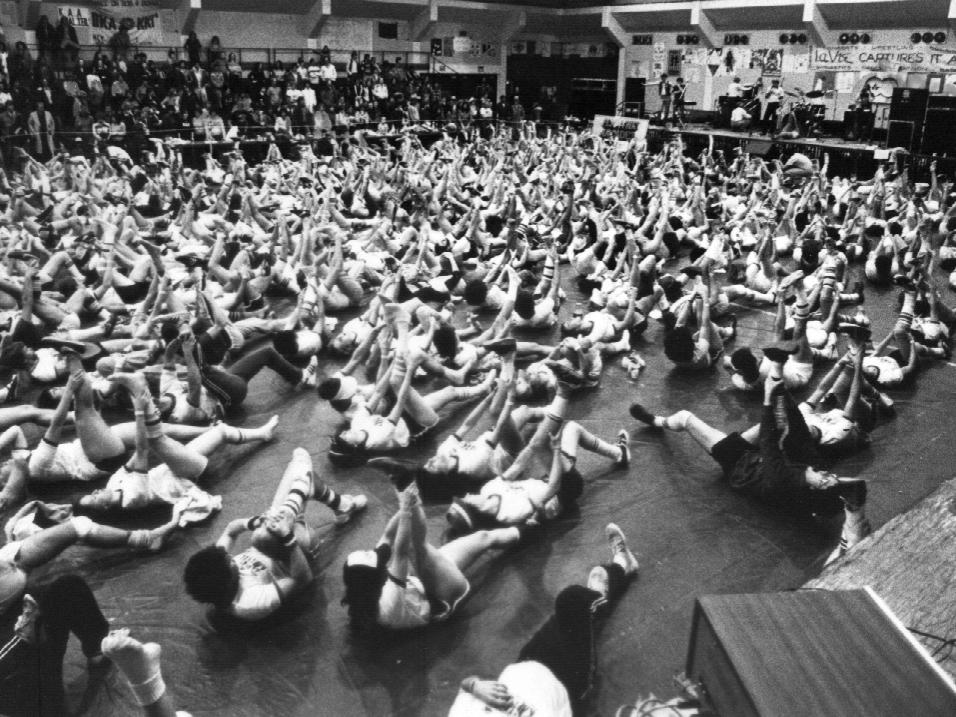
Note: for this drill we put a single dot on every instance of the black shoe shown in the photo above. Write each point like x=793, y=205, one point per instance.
x=502, y=347
x=853, y=492
x=855, y=332
x=398, y=472
x=642, y=414
x=565, y=374
x=858, y=290
x=692, y=270
x=904, y=281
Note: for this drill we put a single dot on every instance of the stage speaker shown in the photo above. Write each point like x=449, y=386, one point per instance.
x=909, y=105
x=634, y=89
x=940, y=102
x=899, y=133
x=812, y=652
x=939, y=132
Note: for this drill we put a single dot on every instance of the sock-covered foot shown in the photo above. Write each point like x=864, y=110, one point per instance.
x=620, y=553
x=598, y=580
x=139, y=662
x=267, y=432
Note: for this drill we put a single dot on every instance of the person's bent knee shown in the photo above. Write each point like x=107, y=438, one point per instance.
x=82, y=525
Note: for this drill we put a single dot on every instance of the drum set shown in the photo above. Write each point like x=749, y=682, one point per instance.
x=802, y=115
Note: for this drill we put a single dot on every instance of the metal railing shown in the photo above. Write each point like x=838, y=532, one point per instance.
x=248, y=56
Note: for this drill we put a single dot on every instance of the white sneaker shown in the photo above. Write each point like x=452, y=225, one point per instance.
x=310, y=374
x=623, y=441
x=349, y=505
x=620, y=553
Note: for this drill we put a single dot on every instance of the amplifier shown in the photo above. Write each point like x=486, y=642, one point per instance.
x=811, y=653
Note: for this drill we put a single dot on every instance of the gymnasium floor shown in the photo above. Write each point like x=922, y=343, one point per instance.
x=692, y=537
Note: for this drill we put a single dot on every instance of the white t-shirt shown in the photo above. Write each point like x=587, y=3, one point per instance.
x=531, y=685
x=258, y=595
x=517, y=498
x=382, y=434
x=404, y=608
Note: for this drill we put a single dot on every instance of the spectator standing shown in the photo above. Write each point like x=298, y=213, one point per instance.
x=41, y=126
x=67, y=43
x=120, y=43
x=193, y=48
x=46, y=39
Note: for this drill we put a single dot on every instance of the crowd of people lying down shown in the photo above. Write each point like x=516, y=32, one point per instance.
x=392, y=282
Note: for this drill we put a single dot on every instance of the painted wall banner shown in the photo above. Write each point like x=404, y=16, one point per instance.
x=623, y=128
x=888, y=58
x=96, y=25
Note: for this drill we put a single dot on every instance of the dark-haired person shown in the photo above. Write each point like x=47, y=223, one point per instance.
x=538, y=309
x=556, y=668
x=772, y=461
x=39, y=627
x=517, y=498
x=748, y=374
x=256, y=582
x=698, y=347
x=406, y=582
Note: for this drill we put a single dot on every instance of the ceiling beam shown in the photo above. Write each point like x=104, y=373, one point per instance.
x=315, y=18
x=701, y=24
x=190, y=10
x=28, y=12
x=816, y=24
x=514, y=24
x=424, y=22
x=613, y=29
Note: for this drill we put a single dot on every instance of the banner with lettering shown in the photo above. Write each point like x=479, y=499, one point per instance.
x=885, y=58
x=97, y=24
x=622, y=128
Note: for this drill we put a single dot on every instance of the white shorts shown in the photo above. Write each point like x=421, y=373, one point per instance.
x=796, y=374
x=66, y=461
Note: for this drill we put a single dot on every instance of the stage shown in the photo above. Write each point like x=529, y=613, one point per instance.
x=846, y=158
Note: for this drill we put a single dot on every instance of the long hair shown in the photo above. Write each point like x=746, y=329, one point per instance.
x=363, y=588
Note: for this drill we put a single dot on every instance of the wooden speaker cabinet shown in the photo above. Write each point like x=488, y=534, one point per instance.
x=812, y=653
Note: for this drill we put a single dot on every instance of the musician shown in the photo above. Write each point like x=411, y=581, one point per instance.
x=736, y=89
x=773, y=98
x=740, y=119
x=864, y=113
x=680, y=89
x=666, y=91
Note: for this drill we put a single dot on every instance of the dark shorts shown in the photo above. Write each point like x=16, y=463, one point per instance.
x=729, y=450
x=132, y=293
x=112, y=464
x=572, y=486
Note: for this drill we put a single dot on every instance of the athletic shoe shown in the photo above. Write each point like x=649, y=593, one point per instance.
x=349, y=505
x=858, y=290
x=310, y=374
x=904, y=281
x=459, y=517
x=398, y=472
x=849, y=537
x=852, y=491
x=642, y=414
x=565, y=374
x=623, y=441
x=620, y=553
